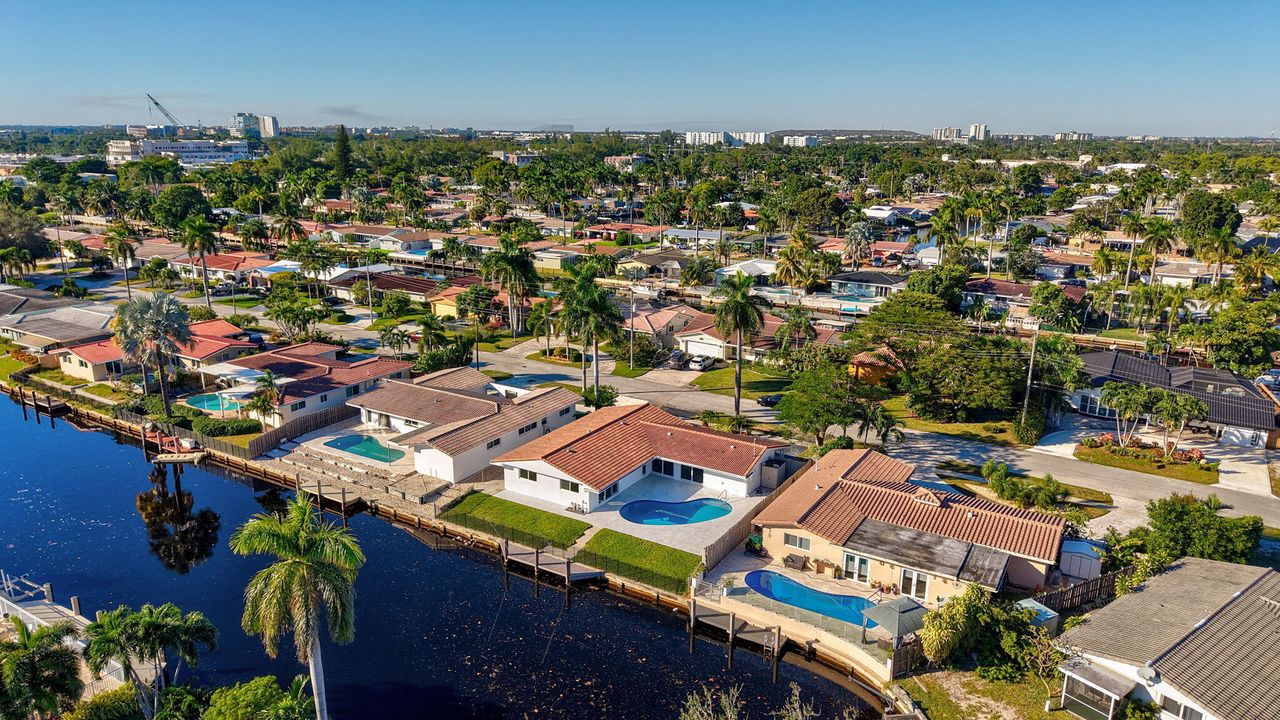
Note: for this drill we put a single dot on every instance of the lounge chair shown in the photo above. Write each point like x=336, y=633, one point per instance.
x=795, y=562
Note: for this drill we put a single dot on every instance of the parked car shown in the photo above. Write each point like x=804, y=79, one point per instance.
x=677, y=360
x=769, y=400
x=701, y=363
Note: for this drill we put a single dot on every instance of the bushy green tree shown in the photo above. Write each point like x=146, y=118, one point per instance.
x=1183, y=525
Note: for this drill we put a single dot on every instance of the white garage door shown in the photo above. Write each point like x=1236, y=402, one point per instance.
x=700, y=347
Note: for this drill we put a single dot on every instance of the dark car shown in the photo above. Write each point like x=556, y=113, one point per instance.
x=769, y=400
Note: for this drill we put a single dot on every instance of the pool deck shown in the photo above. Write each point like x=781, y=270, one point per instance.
x=316, y=442
x=693, y=537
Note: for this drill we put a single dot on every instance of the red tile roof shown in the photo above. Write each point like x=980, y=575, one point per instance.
x=602, y=447
x=228, y=261
x=216, y=328
x=312, y=373
x=846, y=487
x=95, y=352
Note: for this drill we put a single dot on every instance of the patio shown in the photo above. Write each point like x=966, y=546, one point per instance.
x=317, y=442
x=693, y=537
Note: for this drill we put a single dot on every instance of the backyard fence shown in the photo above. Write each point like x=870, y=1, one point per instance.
x=515, y=535
x=906, y=657
x=738, y=534
x=1102, y=587
x=676, y=585
x=258, y=445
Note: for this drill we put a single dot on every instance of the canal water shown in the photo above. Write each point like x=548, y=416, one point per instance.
x=437, y=636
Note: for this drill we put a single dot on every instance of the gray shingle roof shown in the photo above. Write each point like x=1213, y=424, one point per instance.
x=928, y=551
x=1232, y=400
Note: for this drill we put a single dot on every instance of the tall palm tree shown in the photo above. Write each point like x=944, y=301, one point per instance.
x=857, y=242
x=164, y=628
x=737, y=313
x=315, y=568
x=511, y=265
x=431, y=331
x=287, y=229
x=1217, y=248
x=542, y=320
x=1159, y=236
x=393, y=338
x=1104, y=262
x=199, y=239
x=1134, y=225
x=39, y=672
x=598, y=319
x=122, y=249
x=796, y=328
x=149, y=330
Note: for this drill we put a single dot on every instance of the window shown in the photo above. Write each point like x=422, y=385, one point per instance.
x=569, y=485
x=353, y=391
x=493, y=443
x=857, y=568
x=663, y=467
x=795, y=541
x=693, y=474
x=609, y=492
x=566, y=411
x=298, y=406
x=915, y=584
x=528, y=475
x=527, y=428
x=1178, y=710
x=324, y=398
x=84, y=364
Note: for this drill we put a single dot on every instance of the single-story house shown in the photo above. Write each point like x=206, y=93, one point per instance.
x=1002, y=294
x=1198, y=640
x=222, y=267
x=588, y=461
x=892, y=215
x=872, y=367
x=419, y=289
x=1059, y=266
x=56, y=327
x=310, y=376
x=867, y=283
x=758, y=268
x=707, y=340
x=18, y=300
x=1238, y=413
x=92, y=362
x=212, y=341
x=664, y=264
x=855, y=516
x=662, y=323
x=455, y=422
x=609, y=231
x=697, y=238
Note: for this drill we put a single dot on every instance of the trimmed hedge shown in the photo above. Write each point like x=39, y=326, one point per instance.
x=219, y=427
x=118, y=704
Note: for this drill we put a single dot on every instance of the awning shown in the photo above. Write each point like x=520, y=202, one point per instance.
x=1108, y=681
x=898, y=617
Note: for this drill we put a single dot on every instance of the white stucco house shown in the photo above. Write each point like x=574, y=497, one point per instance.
x=456, y=421
x=585, y=463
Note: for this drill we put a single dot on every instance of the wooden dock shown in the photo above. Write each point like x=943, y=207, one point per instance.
x=560, y=567
x=770, y=639
x=182, y=458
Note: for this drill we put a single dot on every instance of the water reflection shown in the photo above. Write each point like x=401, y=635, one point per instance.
x=180, y=537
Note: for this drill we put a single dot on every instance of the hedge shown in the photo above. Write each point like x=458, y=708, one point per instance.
x=118, y=704
x=219, y=427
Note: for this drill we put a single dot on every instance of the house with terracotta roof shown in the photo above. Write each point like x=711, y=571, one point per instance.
x=1002, y=295
x=707, y=340
x=212, y=341
x=662, y=323
x=855, y=516
x=1199, y=640
x=223, y=267
x=456, y=421
x=310, y=376
x=588, y=461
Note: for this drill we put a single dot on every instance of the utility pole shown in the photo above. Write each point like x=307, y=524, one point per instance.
x=1026, y=397
x=631, y=365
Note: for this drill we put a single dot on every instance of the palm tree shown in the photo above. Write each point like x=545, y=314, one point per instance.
x=795, y=261
x=287, y=229
x=431, y=331
x=315, y=568
x=394, y=338
x=796, y=326
x=1218, y=248
x=542, y=320
x=149, y=330
x=1254, y=267
x=857, y=242
x=199, y=239
x=1160, y=235
x=266, y=396
x=738, y=312
x=598, y=318
x=511, y=265
x=39, y=670
x=1134, y=226
x=15, y=261
x=121, y=248
x=254, y=233
x=709, y=417
x=874, y=420
x=1104, y=262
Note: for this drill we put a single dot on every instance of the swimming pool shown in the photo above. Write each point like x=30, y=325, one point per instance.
x=656, y=512
x=779, y=587
x=366, y=446
x=212, y=401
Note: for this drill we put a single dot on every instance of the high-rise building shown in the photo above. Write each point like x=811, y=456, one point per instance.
x=800, y=141
x=268, y=126
x=749, y=137
x=188, y=153
x=244, y=125
x=978, y=132
x=948, y=134
x=707, y=137
x=1072, y=136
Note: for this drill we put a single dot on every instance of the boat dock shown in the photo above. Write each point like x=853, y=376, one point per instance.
x=181, y=458
x=769, y=639
x=536, y=559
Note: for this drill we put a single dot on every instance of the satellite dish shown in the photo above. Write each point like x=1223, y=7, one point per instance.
x=1149, y=674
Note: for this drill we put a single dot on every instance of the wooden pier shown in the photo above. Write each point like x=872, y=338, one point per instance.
x=560, y=567
x=769, y=639
x=182, y=458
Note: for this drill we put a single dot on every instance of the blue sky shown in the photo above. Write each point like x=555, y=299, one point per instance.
x=1119, y=67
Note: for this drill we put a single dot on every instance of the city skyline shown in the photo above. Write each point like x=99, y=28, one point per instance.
x=1124, y=71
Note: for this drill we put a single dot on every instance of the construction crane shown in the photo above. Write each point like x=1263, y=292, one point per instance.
x=164, y=112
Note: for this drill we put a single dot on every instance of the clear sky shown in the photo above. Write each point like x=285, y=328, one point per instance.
x=1176, y=67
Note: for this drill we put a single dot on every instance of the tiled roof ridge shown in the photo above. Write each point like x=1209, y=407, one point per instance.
x=588, y=433
x=1235, y=597
x=720, y=434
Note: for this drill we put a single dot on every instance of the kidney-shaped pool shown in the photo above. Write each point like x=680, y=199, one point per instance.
x=785, y=590
x=657, y=512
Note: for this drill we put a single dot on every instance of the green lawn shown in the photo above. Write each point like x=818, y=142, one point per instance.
x=653, y=564
x=57, y=376
x=498, y=374
x=1077, y=492
x=1123, y=334
x=106, y=391
x=1275, y=480
x=621, y=370
x=514, y=521
x=1188, y=472
x=242, y=303
x=541, y=356
x=9, y=365
x=965, y=696
x=567, y=386
x=997, y=432
x=503, y=343
x=241, y=440
x=754, y=385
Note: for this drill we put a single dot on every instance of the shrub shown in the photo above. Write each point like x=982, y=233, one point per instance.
x=118, y=704
x=24, y=357
x=199, y=313
x=245, y=700
x=241, y=320
x=1135, y=709
x=1107, y=438
x=839, y=442
x=219, y=427
x=1029, y=427
x=608, y=396
x=993, y=428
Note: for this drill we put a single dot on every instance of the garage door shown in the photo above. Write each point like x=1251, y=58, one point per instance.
x=700, y=347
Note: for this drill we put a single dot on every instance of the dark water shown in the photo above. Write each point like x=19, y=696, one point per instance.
x=436, y=634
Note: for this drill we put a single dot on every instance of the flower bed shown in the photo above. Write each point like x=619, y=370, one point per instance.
x=1182, y=464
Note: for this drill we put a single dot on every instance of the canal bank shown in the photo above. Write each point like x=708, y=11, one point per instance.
x=437, y=632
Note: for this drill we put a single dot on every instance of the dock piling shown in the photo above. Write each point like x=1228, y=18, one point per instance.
x=777, y=651
x=693, y=619
x=733, y=634
x=537, y=563
x=48, y=591
x=75, y=604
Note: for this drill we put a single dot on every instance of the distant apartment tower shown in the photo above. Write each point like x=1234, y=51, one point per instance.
x=800, y=141
x=948, y=134
x=517, y=159
x=978, y=132
x=150, y=131
x=1072, y=136
x=625, y=163
x=188, y=153
x=268, y=126
x=749, y=137
x=707, y=137
x=244, y=125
